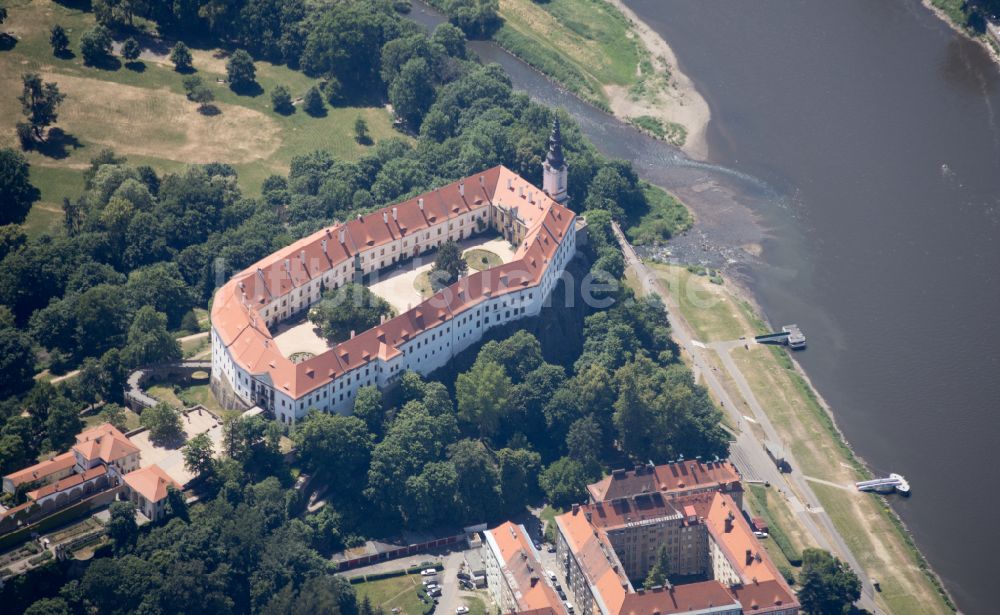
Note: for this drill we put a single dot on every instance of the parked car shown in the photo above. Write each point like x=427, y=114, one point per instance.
x=551, y=548
x=551, y=575
x=562, y=594
x=464, y=576
x=462, y=610
x=435, y=592
x=569, y=606
x=428, y=572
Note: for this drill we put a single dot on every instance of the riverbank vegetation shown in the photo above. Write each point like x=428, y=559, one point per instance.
x=971, y=17
x=869, y=526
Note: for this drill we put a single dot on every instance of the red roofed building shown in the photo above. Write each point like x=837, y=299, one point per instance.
x=514, y=573
x=247, y=361
x=147, y=487
x=673, y=479
x=607, y=542
x=42, y=473
x=105, y=445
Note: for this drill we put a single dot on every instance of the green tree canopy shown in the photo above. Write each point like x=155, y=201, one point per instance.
x=122, y=527
x=352, y=307
x=482, y=394
x=337, y=446
x=564, y=482
x=657, y=576
x=281, y=100
x=240, y=70
x=313, y=103
x=180, y=55
x=198, y=456
x=149, y=342
x=448, y=265
x=59, y=40
x=163, y=422
x=828, y=585
x=95, y=46
x=39, y=103
x=131, y=49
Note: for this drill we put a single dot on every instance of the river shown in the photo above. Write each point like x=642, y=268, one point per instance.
x=854, y=148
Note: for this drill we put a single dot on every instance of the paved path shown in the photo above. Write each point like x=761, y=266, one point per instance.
x=793, y=486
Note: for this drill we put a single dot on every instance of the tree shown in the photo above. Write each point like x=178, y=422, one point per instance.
x=518, y=477
x=62, y=424
x=828, y=586
x=198, y=92
x=131, y=50
x=368, y=408
x=412, y=92
x=149, y=342
x=478, y=483
x=338, y=446
x=564, y=482
x=240, y=71
x=95, y=46
x=114, y=414
x=122, y=527
x=432, y=495
x=584, y=443
x=163, y=423
x=59, y=41
x=198, y=456
x=448, y=265
x=657, y=576
x=180, y=55
x=352, y=307
x=451, y=38
x=48, y=606
x=176, y=505
x=39, y=103
x=361, y=131
x=162, y=286
x=313, y=102
x=17, y=194
x=281, y=100
x=482, y=394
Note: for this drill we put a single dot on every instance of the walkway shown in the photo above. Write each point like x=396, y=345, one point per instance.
x=801, y=500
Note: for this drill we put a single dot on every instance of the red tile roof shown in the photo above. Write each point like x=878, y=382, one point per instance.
x=678, y=599
x=523, y=570
x=40, y=471
x=151, y=482
x=104, y=442
x=67, y=483
x=670, y=478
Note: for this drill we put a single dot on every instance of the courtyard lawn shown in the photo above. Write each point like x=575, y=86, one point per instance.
x=396, y=592
x=480, y=259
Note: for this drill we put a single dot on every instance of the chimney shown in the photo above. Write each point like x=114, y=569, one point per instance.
x=395, y=213
x=360, y=218
x=482, y=181
x=341, y=235
x=510, y=184
x=520, y=191
x=461, y=188
x=352, y=337
x=302, y=256
x=420, y=203
x=588, y=515
x=749, y=557
x=576, y=508
x=288, y=266
x=385, y=217
x=729, y=522
x=323, y=245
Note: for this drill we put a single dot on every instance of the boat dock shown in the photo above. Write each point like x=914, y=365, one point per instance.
x=893, y=482
x=790, y=335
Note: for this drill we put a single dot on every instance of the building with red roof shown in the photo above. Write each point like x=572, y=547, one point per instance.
x=246, y=360
x=607, y=543
x=148, y=488
x=514, y=572
x=673, y=479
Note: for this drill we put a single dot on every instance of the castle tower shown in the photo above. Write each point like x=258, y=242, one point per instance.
x=554, y=168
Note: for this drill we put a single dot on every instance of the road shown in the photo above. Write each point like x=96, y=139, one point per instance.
x=793, y=485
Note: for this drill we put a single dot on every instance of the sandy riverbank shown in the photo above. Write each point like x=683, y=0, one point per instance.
x=681, y=103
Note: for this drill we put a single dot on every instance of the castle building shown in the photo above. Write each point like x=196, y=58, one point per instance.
x=554, y=169
x=249, y=368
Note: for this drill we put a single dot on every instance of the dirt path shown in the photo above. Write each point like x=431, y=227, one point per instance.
x=681, y=103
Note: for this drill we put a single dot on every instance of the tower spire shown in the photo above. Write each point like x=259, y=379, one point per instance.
x=554, y=169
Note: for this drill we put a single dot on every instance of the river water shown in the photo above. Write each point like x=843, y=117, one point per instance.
x=854, y=147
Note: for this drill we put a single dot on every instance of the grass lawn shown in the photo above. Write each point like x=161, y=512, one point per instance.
x=872, y=531
x=145, y=115
x=583, y=44
x=706, y=306
x=189, y=348
x=476, y=605
x=480, y=259
x=548, y=517
x=396, y=592
x=131, y=420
